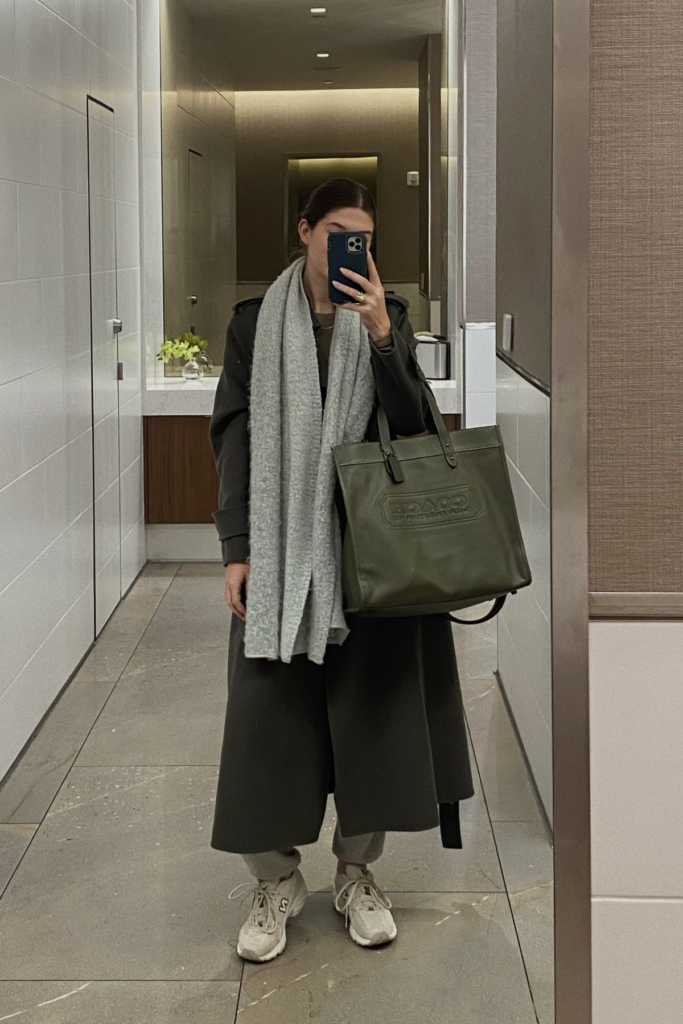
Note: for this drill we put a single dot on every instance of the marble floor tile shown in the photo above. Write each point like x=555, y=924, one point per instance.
x=120, y=883
x=119, y=1002
x=206, y=569
x=171, y=714
x=417, y=861
x=526, y=856
x=476, y=648
x=193, y=615
x=14, y=840
x=509, y=793
x=29, y=790
x=455, y=959
x=533, y=914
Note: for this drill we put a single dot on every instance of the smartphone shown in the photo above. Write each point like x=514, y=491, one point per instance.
x=345, y=249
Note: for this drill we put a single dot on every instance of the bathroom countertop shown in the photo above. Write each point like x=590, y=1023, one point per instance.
x=174, y=396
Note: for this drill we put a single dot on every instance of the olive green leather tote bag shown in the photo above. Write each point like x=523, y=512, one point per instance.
x=431, y=522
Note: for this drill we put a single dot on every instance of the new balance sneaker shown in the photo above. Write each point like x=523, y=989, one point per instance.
x=263, y=935
x=366, y=908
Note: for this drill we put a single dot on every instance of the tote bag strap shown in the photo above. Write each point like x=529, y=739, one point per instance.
x=497, y=605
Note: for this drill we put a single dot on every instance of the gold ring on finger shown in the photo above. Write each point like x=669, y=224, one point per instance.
x=360, y=296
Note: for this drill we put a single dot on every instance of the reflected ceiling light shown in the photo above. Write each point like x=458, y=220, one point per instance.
x=318, y=12
x=322, y=54
x=328, y=81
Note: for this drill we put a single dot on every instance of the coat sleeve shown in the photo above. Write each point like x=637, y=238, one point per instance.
x=399, y=388
x=229, y=432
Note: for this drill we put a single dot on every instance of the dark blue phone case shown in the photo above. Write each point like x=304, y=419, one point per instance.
x=345, y=249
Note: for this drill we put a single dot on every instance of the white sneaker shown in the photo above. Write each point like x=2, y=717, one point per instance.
x=366, y=908
x=263, y=934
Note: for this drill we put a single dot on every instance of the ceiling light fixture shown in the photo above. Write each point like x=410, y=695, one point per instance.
x=318, y=12
x=321, y=55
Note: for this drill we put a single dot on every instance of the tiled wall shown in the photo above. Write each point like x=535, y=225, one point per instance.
x=480, y=374
x=524, y=660
x=52, y=55
x=636, y=709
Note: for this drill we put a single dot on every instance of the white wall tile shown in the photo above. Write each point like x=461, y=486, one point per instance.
x=23, y=345
x=524, y=636
x=131, y=431
x=480, y=359
x=74, y=233
x=506, y=407
x=125, y=103
x=42, y=414
x=534, y=732
x=636, y=710
x=637, y=973
x=7, y=38
x=480, y=409
x=19, y=148
x=24, y=703
x=46, y=514
x=9, y=231
x=87, y=18
x=133, y=554
x=128, y=235
x=63, y=147
x=126, y=168
x=22, y=515
x=534, y=437
x=132, y=508
x=37, y=48
x=537, y=542
x=10, y=431
x=40, y=232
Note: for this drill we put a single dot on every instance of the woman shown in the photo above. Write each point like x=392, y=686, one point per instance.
x=320, y=702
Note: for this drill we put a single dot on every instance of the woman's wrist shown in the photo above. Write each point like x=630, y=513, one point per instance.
x=382, y=332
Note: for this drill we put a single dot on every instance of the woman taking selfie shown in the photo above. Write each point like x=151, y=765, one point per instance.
x=319, y=701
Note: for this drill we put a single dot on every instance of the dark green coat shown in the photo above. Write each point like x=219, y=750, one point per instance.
x=381, y=722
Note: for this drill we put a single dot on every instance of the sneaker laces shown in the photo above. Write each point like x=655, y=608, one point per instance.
x=369, y=896
x=263, y=903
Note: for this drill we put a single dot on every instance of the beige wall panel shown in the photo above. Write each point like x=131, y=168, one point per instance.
x=636, y=296
x=274, y=125
x=198, y=114
x=524, y=177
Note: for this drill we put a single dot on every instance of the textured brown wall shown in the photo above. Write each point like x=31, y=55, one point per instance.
x=636, y=296
x=272, y=125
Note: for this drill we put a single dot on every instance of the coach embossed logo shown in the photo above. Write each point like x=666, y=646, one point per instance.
x=431, y=508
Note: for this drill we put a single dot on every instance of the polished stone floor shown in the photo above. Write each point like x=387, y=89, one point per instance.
x=114, y=909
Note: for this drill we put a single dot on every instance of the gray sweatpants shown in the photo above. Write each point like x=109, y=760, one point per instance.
x=361, y=849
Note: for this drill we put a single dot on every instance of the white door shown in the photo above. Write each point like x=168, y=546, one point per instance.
x=105, y=362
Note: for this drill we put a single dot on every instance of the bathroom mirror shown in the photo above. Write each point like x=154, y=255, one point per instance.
x=262, y=100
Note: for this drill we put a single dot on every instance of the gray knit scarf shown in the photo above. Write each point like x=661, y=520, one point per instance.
x=294, y=600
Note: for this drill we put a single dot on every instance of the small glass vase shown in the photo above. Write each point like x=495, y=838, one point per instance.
x=204, y=360
x=193, y=370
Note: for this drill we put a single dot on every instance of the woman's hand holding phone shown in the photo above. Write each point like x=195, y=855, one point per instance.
x=373, y=311
x=236, y=582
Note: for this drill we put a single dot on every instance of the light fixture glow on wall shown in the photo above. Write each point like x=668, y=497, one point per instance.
x=318, y=12
x=322, y=54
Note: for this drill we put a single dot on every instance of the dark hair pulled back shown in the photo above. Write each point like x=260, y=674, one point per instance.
x=335, y=194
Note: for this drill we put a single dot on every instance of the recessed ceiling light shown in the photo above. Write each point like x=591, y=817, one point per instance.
x=318, y=12
x=322, y=54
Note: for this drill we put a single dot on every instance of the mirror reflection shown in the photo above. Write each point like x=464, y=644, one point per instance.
x=263, y=104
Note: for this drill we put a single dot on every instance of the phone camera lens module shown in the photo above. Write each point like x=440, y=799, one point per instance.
x=355, y=244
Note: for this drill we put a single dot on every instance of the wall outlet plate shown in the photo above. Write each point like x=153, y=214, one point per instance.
x=413, y=178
